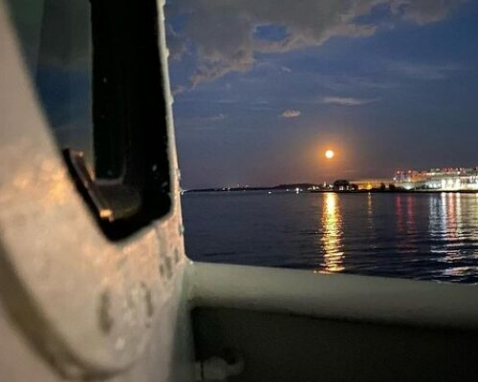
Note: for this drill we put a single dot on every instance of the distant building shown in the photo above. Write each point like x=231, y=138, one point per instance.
x=369, y=184
x=444, y=179
x=342, y=185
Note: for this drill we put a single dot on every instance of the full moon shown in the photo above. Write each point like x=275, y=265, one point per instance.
x=329, y=154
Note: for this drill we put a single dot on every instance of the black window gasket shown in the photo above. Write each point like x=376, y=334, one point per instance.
x=132, y=185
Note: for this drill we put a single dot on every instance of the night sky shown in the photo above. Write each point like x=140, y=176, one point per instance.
x=263, y=88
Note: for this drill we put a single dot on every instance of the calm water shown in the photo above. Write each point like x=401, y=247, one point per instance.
x=419, y=236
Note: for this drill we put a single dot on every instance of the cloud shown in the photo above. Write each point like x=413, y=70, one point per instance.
x=291, y=113
x=344, y=84
x=178, y=90
x=221, y=33
x=218, y=117
x=425, y=11
x=423, y=71
x=206, y=120
x=348, y=101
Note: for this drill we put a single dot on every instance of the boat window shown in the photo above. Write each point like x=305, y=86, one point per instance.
x=334, y=136
x=98, y=76
x=56, y=40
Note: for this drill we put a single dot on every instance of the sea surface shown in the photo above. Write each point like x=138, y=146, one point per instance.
x=416, y=236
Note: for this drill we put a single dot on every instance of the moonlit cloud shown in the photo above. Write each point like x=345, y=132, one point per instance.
x=347, y=101
x=218, y=117
x=290, y=113
x=206, y=120
x=222, y=33
x=425, y=11
x=423, y=71
x=178, y=90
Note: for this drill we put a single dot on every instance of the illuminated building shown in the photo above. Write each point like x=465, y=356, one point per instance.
x=444, y=179
x=369, y=184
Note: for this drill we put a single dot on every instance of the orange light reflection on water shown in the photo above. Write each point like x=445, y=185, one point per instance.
x=332, y=234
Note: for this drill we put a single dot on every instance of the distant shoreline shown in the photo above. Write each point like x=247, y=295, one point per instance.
x=292, y=190
x=282, y=187
x=374, y=191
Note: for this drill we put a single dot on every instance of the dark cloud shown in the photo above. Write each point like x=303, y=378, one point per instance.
x=223, y=32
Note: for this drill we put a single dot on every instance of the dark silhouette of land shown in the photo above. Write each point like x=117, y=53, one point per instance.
x=339, y=186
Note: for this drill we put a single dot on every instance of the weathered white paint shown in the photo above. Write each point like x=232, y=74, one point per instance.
x=337, y=297
x=89, y=306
